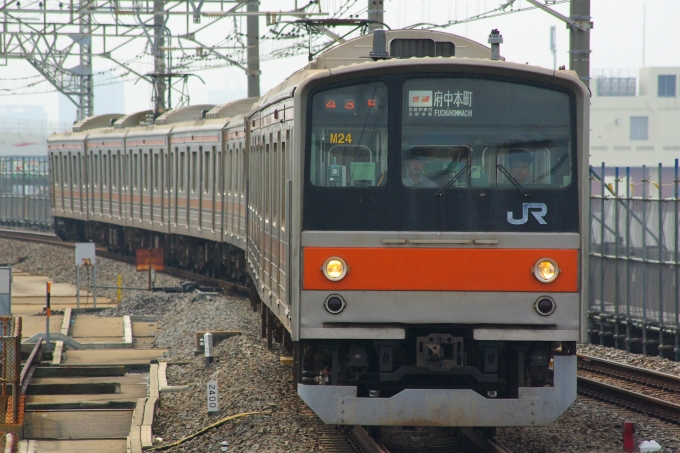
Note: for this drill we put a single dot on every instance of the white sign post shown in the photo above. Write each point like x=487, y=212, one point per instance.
x=213, y=404
x=85, y=256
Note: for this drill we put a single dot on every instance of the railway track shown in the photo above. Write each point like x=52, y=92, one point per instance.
x=335, y=439
x=395, y=439
x=51, y=239
x=649, y=392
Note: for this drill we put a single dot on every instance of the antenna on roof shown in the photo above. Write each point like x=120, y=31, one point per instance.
x=379, y=46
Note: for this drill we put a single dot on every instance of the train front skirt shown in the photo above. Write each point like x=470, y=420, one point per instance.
x=535, y=406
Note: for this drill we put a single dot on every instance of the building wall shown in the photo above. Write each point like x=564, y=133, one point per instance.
x=610, y=124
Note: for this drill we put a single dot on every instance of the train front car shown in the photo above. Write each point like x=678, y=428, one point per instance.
x=441, y=242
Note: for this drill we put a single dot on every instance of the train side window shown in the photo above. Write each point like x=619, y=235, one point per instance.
x=135, y=172
x=349, y=136
x=206, y=172
x=114, y=172
x=74, y=171
x=180, y=167
x=194, y=171
x=145, y=172
x=105, y=170
x=284, y=181
x=156, y=173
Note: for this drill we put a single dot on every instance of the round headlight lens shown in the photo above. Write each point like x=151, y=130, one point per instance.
x=546, y=270
x=335, y=268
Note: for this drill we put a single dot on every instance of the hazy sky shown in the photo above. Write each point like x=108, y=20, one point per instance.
x=616, y=42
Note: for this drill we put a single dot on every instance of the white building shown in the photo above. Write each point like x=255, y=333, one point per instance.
x=636, y=122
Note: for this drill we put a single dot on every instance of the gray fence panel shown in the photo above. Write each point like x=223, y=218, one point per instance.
x=25, y=193
x=634, y=267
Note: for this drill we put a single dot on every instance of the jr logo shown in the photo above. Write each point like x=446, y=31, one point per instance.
x=542, y=210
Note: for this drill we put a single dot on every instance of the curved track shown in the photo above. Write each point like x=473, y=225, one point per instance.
x=650, y=392
x=394, y=439
x=51, y=239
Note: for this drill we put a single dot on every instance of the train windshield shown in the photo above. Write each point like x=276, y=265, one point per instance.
x=349, y=136
x=462, y=132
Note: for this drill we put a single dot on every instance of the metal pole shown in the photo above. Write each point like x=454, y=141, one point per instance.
x=253, y=40
x=375, y=12
x=579, y=40
x=94, y=285
x=627, y=262
x=78, y=286
x=47, y=317
x=602, y=258
x=660, y=266
x=616, y=260
x=86, y=100
x=159, y=58
x=677, y=267
x=644, y=260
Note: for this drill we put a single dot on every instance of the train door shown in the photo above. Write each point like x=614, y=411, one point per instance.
x=276, y=176
x=156, y=185
x=82, y=184
x=75, y=184
x=201, y=184
x=108, y=170
x=118, y=178
x=214, y=187
x=68, y=183
x=191, y=181
x=284, y=234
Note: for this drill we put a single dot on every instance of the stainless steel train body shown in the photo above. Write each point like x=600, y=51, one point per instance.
x=403, y=305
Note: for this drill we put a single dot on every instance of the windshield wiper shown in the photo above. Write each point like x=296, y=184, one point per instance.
x=451, y=181
x=513, y=180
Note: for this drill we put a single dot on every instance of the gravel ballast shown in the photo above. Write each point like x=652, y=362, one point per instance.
x=251, y=379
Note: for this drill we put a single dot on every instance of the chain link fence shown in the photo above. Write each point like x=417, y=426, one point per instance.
x=25, y=193
x=10, y=376
x=634, y=300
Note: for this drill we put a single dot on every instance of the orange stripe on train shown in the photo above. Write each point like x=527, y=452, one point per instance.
x=429, y=269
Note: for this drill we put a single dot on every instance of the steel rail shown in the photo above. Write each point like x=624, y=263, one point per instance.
x=650, y=378
x=639, y=402
x=51, y=239
x=369, y=444
x=486, y=444
x=30, y=365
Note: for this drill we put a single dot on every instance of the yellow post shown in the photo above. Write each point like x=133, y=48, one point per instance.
x=120, y=283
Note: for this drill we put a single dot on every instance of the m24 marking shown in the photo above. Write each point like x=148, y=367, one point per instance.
x=340, y=138
x=538, y=210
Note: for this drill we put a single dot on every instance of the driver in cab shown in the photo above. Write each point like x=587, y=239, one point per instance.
x=415, y=164
x=520, y=161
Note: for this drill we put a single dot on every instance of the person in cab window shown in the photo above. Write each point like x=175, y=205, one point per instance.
x=520, y=162
x=415, y=164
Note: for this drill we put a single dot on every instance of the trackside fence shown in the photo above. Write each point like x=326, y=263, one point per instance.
x=25, y=193
x=634, y=301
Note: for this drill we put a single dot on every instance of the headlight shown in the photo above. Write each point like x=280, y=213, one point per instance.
x=335, y=268
x=545, y=270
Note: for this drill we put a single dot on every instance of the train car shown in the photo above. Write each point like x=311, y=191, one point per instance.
x=410, y=215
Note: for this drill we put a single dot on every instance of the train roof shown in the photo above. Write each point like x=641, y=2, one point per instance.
x=400, y=44
x=183, y=114
x=96, y=122
x=425, y=48
x=231, y=108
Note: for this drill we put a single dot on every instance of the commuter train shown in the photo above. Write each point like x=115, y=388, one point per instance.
x=372, y=204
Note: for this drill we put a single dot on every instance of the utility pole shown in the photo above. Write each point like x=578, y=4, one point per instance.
x=553, y=45
x=159, y=58
x=579, y=25
x=579, y=39
x=375, y=12
x=253, y=42
x=86, y=98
